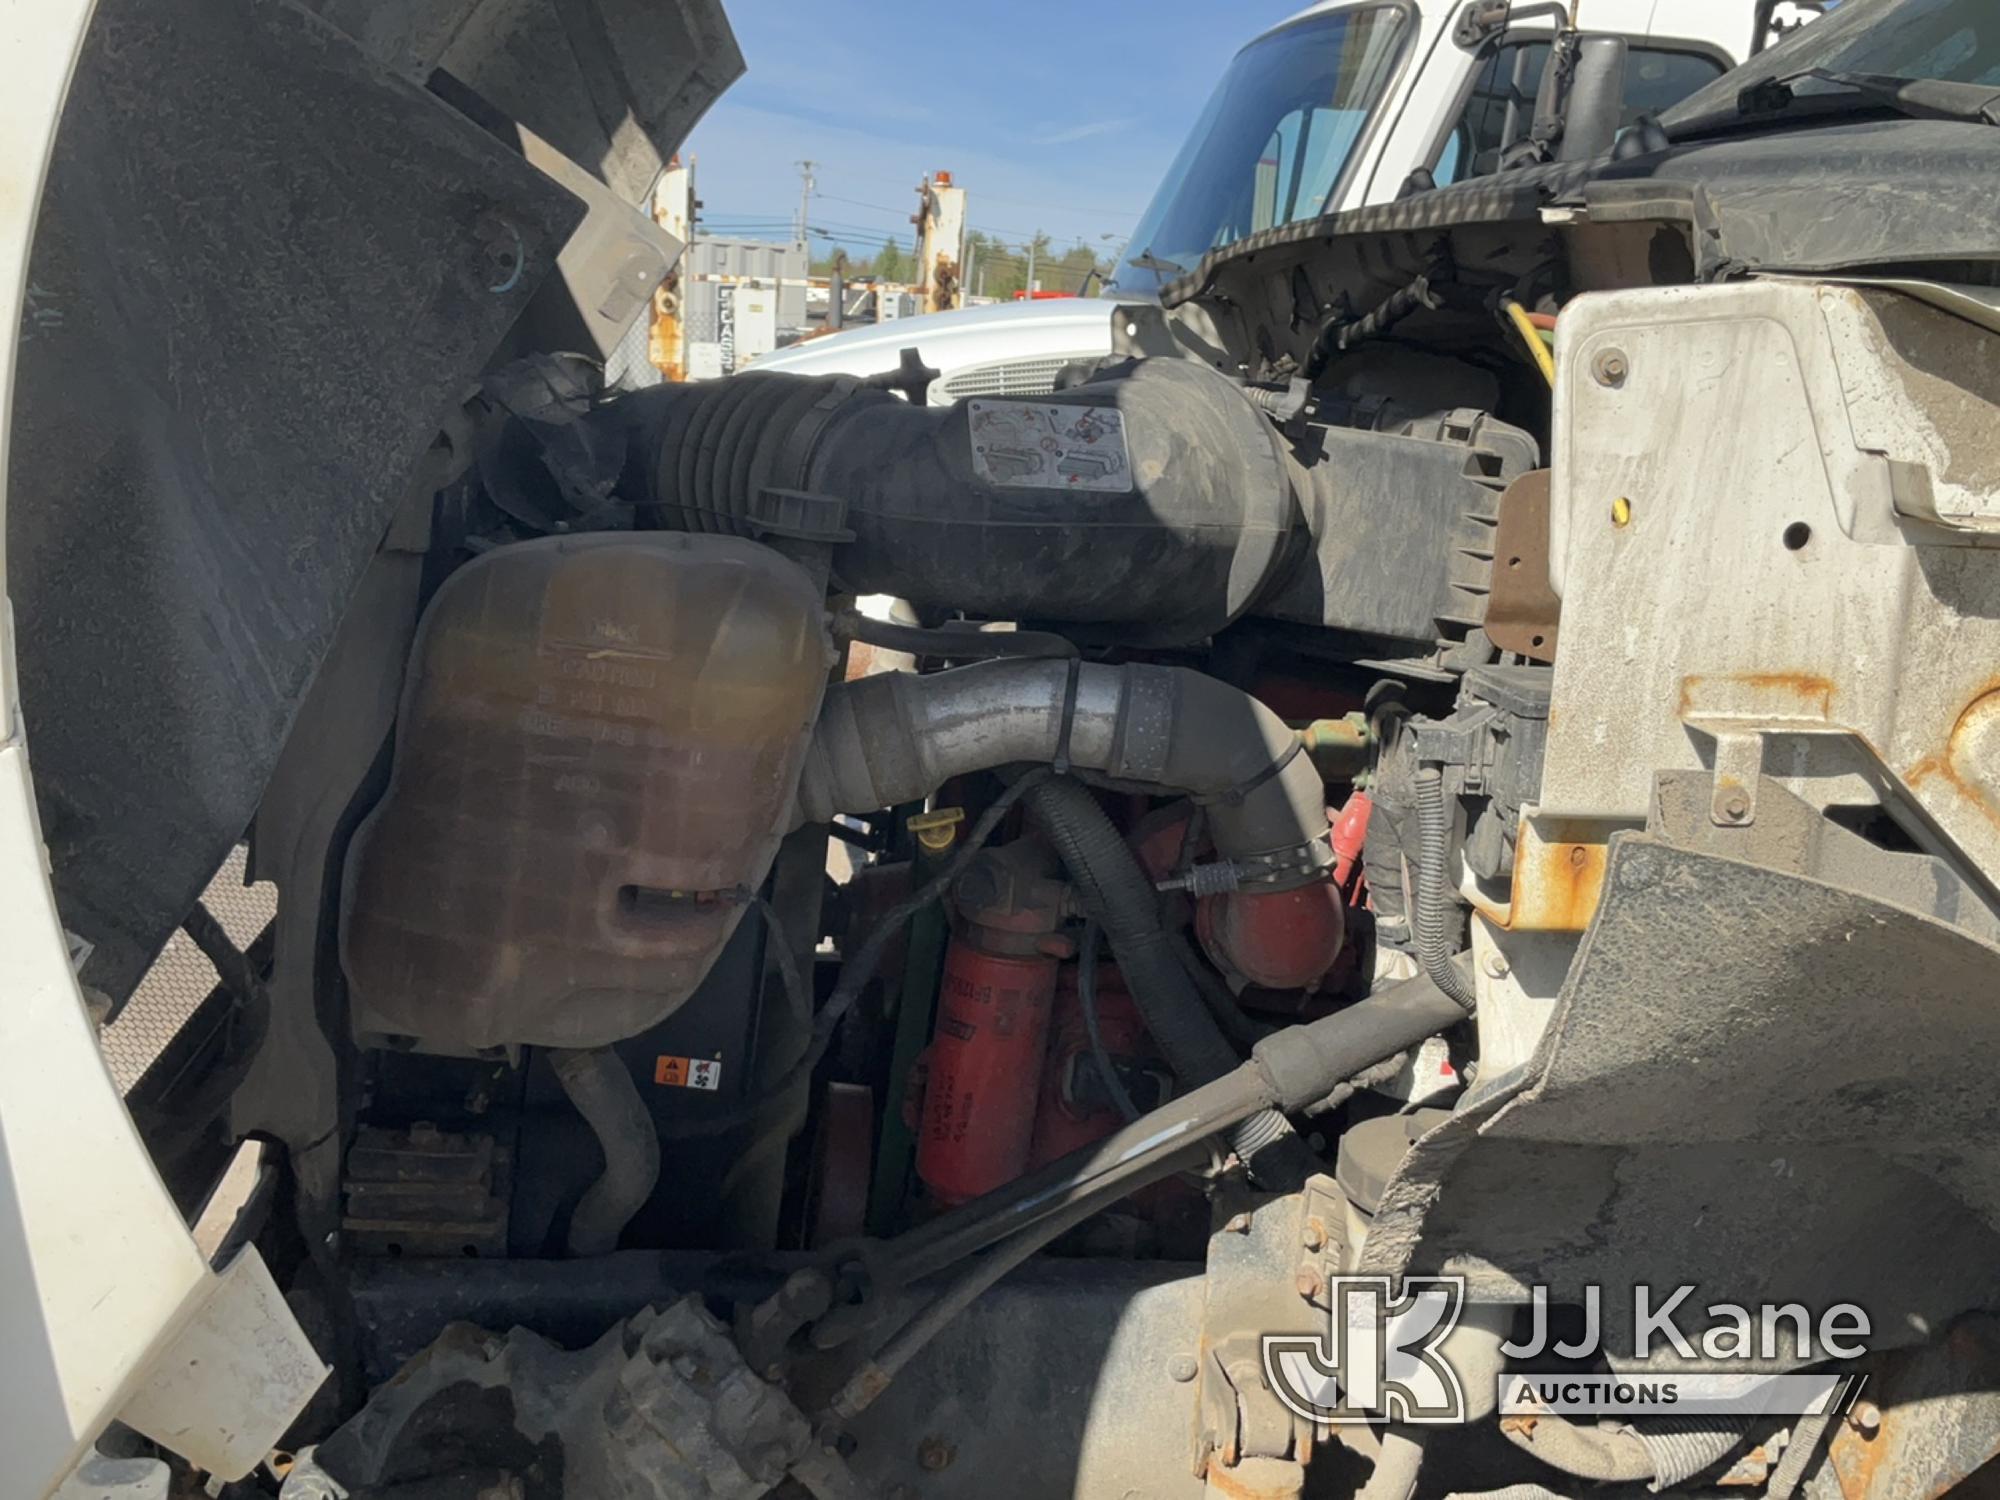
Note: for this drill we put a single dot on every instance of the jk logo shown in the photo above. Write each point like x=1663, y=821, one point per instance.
x=1380, y=1356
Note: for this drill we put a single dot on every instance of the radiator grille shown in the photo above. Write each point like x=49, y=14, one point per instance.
x=1009, y=377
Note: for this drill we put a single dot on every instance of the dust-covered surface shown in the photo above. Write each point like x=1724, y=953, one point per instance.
x=265, y=270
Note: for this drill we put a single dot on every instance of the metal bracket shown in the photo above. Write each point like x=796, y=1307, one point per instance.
x=911, y=377
x=1479, y=21
x=1739, y=763
x=1269, y=1262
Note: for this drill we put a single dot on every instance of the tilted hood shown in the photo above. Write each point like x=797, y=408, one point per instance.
x=279, y=244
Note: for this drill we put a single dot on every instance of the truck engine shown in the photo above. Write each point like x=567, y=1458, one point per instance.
x=835, y=945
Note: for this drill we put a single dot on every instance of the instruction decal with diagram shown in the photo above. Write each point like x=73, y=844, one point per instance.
x=1050, y=445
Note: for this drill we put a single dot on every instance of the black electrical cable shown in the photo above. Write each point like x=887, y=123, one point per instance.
x=1434, y=907
x=1086, y=998
x=1242, y=1032
x=1340, y=333
x=856, y=971
x=797, y=996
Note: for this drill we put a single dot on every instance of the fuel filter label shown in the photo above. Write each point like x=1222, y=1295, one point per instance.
x=1050, y=445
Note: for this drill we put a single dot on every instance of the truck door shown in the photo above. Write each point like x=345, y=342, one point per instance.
x=1498, y=109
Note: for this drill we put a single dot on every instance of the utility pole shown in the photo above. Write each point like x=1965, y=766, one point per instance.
x=674, y=206
x=806, y=184
x=1031, y=267
x=940, y=221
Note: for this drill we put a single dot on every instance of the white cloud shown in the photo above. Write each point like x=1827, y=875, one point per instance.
x=1082, y=132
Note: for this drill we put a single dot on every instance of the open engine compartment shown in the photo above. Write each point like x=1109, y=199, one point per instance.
x=1169, y=894
x=831, y=943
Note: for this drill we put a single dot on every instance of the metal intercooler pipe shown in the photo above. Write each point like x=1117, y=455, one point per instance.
x=896, y=738
x=600, y=1086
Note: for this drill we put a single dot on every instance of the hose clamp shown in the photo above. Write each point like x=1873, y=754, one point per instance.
x=1075, y=675
x=1235, y=796
x=1301, y=864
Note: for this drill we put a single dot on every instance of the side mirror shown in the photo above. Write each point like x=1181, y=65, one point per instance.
x=1582, y=97
x=1776, y=19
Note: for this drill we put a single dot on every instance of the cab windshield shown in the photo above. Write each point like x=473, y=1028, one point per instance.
x=1274, y=144
x=1952, y=41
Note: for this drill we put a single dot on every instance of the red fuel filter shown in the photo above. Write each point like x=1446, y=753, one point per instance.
x=1076, y=1107
x=985, y=1070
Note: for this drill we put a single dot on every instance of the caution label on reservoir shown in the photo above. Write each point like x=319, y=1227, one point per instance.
x=1052, y=445
x=688, y=1073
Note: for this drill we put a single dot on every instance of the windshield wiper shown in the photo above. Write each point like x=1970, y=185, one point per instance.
x=1918, y=98
x=1145, y=260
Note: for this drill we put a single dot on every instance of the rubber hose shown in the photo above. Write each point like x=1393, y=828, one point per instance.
x=1682, y=1449
x=1242, y=1032
x=1664, y=1454
x=1395, y=1474
x=1289, y=1070
x=1435, y=907
x=1115, y=894
x=1604, y=1455
x=601, y=1088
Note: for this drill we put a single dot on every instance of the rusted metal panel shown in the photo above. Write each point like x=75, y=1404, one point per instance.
x=1558, y=875
x=1929, y=1418
x=1771, y=577
x=1523, y=613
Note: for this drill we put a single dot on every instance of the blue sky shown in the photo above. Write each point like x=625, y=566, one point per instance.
x=1052, y=116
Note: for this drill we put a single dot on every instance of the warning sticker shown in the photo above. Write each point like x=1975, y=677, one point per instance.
x=688, y=1073
x=1050, y=446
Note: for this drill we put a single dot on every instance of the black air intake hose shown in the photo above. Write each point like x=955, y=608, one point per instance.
x=1116, y=894
x=1156, y=503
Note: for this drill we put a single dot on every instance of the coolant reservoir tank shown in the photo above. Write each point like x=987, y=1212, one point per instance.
x=599, y=742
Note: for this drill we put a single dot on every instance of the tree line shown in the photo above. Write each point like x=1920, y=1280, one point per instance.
x=996, y=268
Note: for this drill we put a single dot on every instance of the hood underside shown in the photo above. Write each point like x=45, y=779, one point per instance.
x=365, y=203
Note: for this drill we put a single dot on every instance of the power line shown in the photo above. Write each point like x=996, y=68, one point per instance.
x=857, y=203
x=1068, y=208
x=1018, y=234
